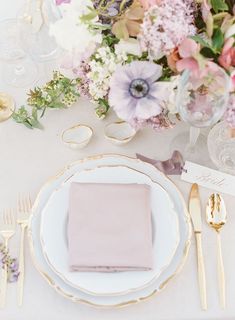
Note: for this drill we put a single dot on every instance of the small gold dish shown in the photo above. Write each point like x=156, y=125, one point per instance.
x=119, y=132
x=7, y=106
x=77, y=137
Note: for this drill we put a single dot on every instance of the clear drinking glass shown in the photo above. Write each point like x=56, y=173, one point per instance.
x=201, y=101
x=18, y=69
x=221, y=146
x=34, y=22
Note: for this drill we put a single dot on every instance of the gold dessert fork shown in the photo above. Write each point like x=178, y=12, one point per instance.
x=7, y=231
x=24, y=209
x=216, y=215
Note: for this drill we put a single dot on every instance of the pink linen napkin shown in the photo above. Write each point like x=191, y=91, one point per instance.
x=109, y=227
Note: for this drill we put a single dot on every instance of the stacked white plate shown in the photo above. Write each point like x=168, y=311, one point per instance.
x=48, y=233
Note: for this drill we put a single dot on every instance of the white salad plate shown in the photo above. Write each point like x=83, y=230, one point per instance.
x=131, y=297
x=54, y=243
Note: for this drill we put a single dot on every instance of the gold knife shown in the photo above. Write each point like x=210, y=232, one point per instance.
x=195, y=213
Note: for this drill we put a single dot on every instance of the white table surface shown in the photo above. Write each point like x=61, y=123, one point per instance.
x=29, y=157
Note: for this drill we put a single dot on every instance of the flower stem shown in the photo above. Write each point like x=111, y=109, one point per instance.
x=122, y=5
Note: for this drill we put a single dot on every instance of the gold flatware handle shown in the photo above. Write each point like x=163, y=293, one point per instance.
x=20, y=282
x=3, y=287
x=201, y=272
x=221, y=273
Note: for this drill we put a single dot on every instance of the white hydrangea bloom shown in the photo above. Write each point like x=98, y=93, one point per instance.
x=102, y=67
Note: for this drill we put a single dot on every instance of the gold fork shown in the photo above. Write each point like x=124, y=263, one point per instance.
x=24, y=209
x=7, y=231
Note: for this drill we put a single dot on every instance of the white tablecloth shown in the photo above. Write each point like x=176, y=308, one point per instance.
x=29, y=157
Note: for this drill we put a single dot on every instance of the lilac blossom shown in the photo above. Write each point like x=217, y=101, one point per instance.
x=165, y=26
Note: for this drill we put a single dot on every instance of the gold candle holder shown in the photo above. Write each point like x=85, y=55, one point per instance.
x=7, y=106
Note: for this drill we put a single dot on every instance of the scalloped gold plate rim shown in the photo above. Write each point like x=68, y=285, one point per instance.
x=71, y=297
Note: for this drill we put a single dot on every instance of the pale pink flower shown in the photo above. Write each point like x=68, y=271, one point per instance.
x=227, y=57
x=188, y=51
x=188, y=48
x=198, y=66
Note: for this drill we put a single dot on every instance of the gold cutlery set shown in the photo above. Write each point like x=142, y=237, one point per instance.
x=216, y=217
x=7, y=231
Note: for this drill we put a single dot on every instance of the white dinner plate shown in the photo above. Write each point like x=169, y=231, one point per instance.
x=165, y=233
x=77, y=295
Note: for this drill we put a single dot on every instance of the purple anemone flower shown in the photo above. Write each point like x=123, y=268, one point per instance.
x=134, y=93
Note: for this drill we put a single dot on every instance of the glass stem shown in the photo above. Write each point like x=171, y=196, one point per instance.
x=193, y=136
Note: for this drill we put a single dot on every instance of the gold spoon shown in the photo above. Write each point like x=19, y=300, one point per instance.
x=216, y=217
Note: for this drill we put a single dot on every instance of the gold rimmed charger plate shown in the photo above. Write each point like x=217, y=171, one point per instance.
x=77, y=296
x=66, y=276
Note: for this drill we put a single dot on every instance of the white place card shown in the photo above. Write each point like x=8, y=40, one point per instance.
x=209, y=178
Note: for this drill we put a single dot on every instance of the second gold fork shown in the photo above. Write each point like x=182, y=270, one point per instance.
x=24, y=209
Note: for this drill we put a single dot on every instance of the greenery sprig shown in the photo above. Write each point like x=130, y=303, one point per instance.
x=60, y=92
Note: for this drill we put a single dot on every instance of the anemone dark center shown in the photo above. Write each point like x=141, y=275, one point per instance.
x=139, y=88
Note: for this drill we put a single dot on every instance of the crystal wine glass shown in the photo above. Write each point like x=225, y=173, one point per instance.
x=201, y=101
x=221, y=146
x=34, y=22
x=18, y=70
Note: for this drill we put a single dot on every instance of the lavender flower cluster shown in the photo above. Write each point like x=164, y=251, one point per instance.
x=8, y=263
x=166, y=25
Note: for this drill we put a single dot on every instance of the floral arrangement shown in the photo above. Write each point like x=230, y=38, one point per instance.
x=129, y=56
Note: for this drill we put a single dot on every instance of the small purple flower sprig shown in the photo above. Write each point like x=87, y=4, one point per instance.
x=11, y=264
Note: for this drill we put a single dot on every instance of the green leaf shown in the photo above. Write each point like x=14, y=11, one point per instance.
x=201, y=41
x=101, y=27
x=219, y=5
x=208, y=53
x=217, y=40
x=89, y=16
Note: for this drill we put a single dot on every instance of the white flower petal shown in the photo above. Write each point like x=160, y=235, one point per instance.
x=130, y=46
x=147, y=108
x=161, y=90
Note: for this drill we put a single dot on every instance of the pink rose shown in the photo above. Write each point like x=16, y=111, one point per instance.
x=149, y=3
x=227, y=57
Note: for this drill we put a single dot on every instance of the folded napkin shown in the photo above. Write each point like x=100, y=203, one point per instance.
x=109, y=227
